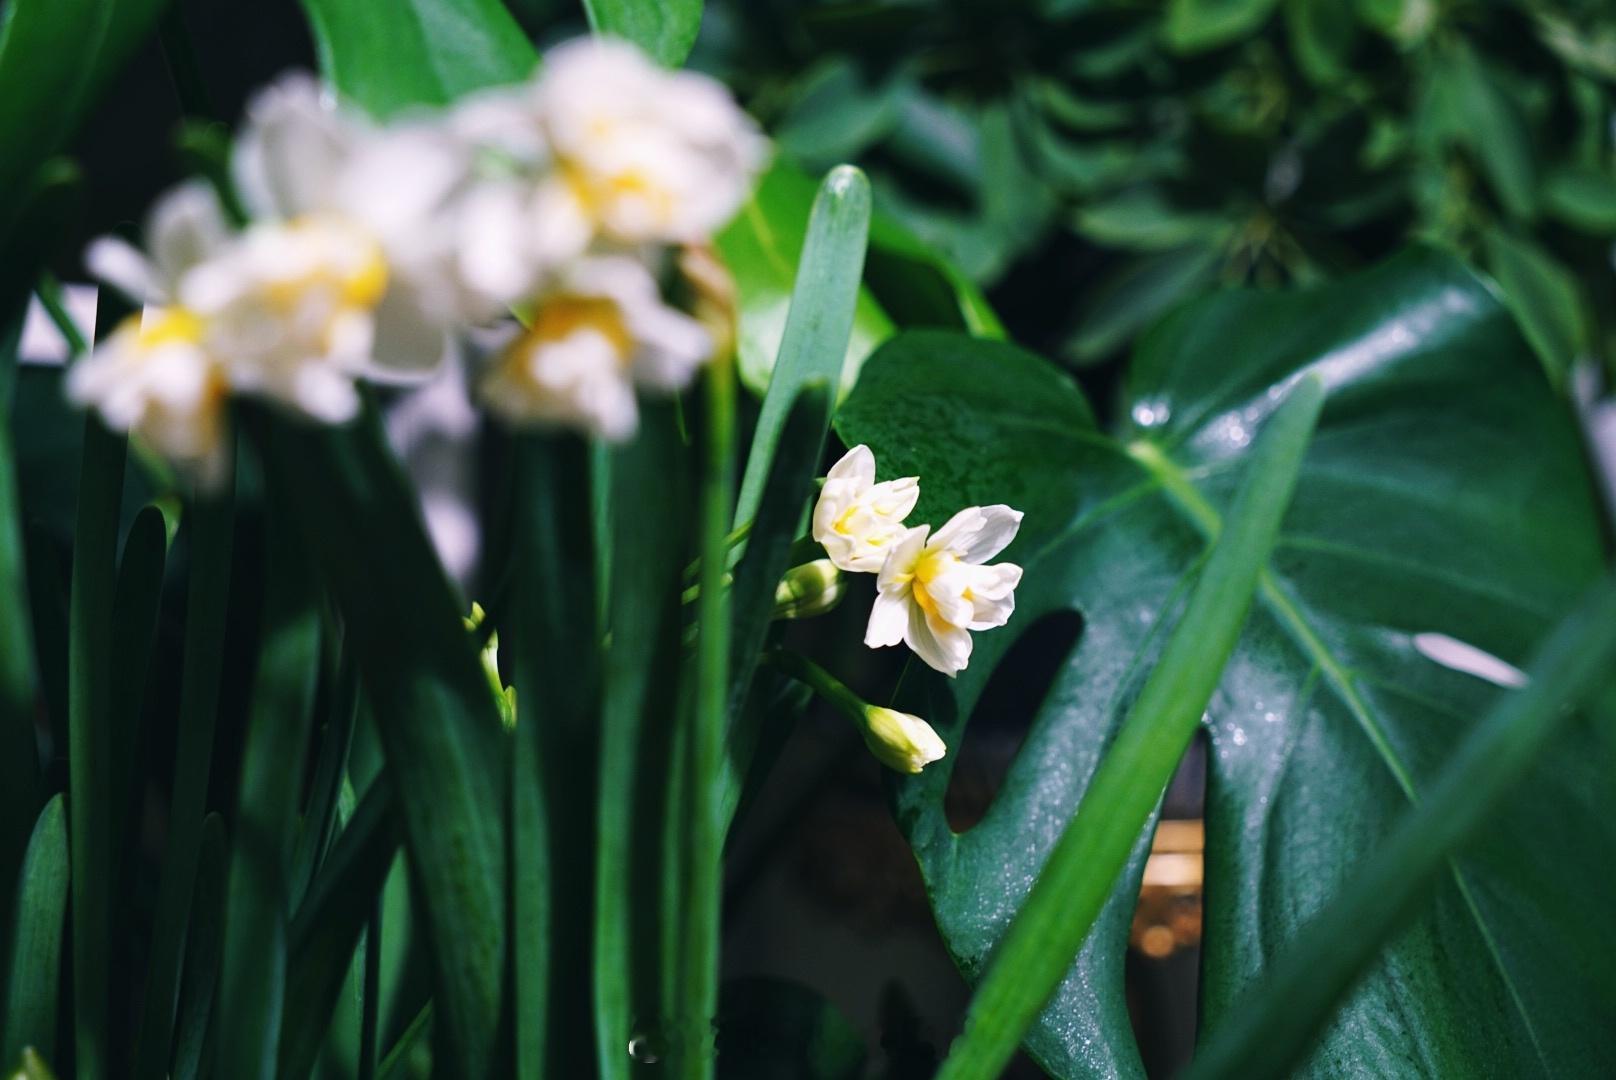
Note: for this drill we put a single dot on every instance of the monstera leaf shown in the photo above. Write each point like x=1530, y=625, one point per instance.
x=1442, y=519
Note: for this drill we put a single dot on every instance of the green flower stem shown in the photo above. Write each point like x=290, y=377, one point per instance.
x=1082, y=869
x=1266, y=1034
x=822, y=682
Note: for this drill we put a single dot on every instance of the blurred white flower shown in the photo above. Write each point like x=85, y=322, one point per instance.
x=153, y=378
x=393, y=189
x=857, y=520
x=289, y=309
x=185, y=227
x=602, y=148
x=649, y=155
x=900, y=740
x=597, y=330
x=931, y=593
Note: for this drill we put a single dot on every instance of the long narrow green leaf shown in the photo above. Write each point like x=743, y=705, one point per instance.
x=89, y=662
x=439, y=728
x=33, y=984
x=253, y=977
x=768, y=547
x=204, y=942
x=553, y=801
x=135, y=608
x=648, y=508
x=320, y=817
x=709, y=723
x=821, y=317
x=328, y=924
x=664, y=28
x=1082, y=869
x=1286, y=1011
x=397, y=1061
x=212, y=537
x=54, y=203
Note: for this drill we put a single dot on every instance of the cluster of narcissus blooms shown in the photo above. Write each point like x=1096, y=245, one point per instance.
x=368, y=246
x=932, y=589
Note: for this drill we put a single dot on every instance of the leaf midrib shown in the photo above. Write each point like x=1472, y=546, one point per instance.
x=1184, y=496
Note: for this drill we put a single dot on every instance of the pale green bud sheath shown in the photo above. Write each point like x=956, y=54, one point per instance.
x=810, y=589
x=901, y=741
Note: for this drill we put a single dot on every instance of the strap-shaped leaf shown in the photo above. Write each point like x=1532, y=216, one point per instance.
x=1442, y=512
x=33, y=982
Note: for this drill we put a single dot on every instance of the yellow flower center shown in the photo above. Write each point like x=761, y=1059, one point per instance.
x=598, y=192
x=561, y=317
x=167, y=326
x=356, y=282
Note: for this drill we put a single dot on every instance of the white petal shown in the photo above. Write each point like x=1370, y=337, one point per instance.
x=992, y=592
x=894, y=499
x=888, y=618
x=958, y=530
x=999, y=526
x=186, y=226
x=834, y=499
x=672, y=346
x=289, y=155
x=121, y=265
x=899, y=566
x=945, y=648
x=857, y=464
x=409, y=347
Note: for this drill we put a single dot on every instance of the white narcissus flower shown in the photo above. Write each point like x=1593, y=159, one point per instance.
x=901, y=741
x=599, y=329
x=326, y=173
x=650, y=155
x=856, y=519
x=153, y=378
x=289, y=309
x=934, y=589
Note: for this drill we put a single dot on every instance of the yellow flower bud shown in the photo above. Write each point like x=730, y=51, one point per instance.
x=810, y=589
x=901, y=741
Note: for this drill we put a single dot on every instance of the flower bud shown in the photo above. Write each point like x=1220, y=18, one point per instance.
x=901, y=741
x=810, y=589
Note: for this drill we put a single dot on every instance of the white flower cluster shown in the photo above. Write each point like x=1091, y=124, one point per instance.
x=933, y=589
x=369, y=247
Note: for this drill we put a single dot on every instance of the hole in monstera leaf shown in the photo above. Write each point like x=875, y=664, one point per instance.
x=1004, y=712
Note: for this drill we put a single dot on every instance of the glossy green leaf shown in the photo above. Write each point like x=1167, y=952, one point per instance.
x=919, y=286
x=821, y=319
x=1196, y=25
x=33, y=981
x=1094, y=848
x=1489, y=123
x=389, y=57
x=55, y=58
x=252, y=979
x=1418, y=527
x=434, y=712
x=664, y=28
x=1266, y=1036
x=762, y=247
